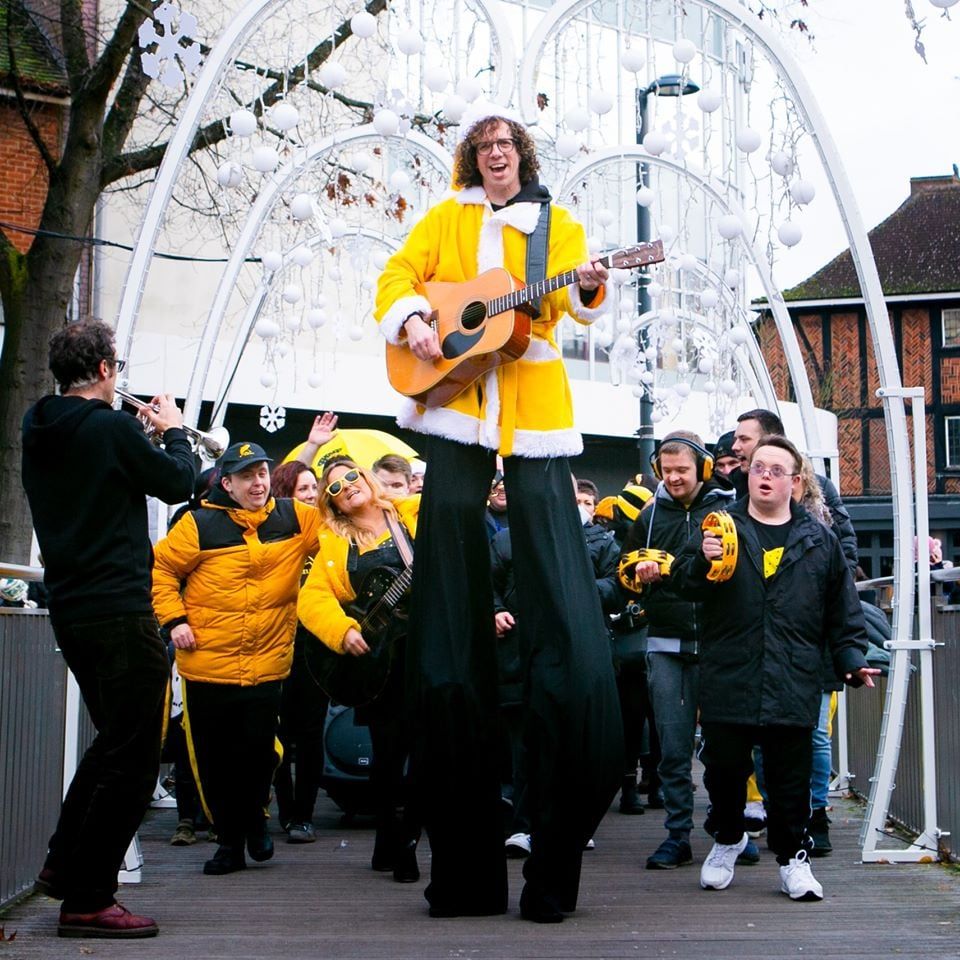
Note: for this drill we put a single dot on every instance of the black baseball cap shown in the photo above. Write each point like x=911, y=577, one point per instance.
x=239, y=456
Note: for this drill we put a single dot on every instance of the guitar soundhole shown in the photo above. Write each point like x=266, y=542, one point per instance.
x=473, y=315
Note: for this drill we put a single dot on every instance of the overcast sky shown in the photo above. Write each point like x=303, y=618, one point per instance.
x=891, y=116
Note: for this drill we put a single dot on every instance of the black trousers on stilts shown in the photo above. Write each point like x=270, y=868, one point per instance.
x=572, y=727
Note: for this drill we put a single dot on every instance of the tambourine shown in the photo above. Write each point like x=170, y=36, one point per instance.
x=629, y=561
x=720, y=524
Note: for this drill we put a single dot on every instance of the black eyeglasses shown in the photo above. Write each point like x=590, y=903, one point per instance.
x=505, y=145
x=336, y=488
x=119, y=364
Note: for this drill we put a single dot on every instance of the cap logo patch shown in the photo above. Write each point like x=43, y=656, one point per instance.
x=245, y=451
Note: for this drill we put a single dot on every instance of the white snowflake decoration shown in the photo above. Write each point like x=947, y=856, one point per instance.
x=273, y=419
x=161, y=52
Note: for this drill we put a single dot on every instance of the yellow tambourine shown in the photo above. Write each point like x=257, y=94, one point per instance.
x=720, y=524
x=629, y=561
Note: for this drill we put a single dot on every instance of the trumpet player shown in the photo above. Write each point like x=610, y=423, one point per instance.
x=94, y=539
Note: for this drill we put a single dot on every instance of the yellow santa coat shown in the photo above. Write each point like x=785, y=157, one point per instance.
x=456, y=240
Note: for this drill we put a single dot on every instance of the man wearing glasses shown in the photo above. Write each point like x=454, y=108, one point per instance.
x=764, y=632
x=498, y=215
x=93, y=535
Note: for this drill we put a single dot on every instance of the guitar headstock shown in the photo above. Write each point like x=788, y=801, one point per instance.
x=637, y=256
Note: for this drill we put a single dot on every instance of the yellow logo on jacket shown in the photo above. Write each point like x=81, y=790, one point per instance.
x=771, y=561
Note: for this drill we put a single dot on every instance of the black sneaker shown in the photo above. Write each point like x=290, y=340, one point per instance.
x=260, y=844
x=819, y=830
x=225, y=860
x=670, y=855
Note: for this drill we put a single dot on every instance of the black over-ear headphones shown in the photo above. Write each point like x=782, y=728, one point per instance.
x=703, y=456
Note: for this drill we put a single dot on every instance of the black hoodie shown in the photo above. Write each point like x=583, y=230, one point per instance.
x=87, y=470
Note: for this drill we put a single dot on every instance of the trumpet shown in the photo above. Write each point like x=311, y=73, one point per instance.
x=211, y=444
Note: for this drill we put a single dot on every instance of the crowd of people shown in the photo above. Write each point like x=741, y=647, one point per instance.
x=519, y=646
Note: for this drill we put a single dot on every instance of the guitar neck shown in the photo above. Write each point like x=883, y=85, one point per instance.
x=536, y=290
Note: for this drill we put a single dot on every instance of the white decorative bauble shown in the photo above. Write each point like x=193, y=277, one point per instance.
x=705, y=365
x=272, y=260
x=655, y=416
x=268, y=379
x=624, y=325
x=320, y=301
x=316, y=318
x=267, y=329
x=688, y=262
x=363, y=24
x=781, y=163
x=302, y=256
x=621, y=277
x=728, y=388
x=314, y=380
x=361, y=162
x=469, y=88
x=668, y=321
x=243, y=123
x=682, y=390
x=292, y=293
x=684, y=51
x=651, y=353
x=399, y=180
x=709, y=387
x=748, y=140
x=453, y=107
x=638, y=392
x=731, y=278
x=265, y=159
x=334, y=273
x=436, y=78
x=229, y=174
x=594, y=246
x=292, y=323
x=667, y=233
x=645, y=196
x=802, y=191
x=729, y=226
x=790, y=233
x=302, y=207
x=604, y=217
x=943, y=4
x=356, y=333
x=332, y=75
x=633, y=374
x=646, y=376
x=409, y=42
x=677, y=345
x=655, y=143
x=338, y=227
x=283, y=349
x=709, y=299
x=654, y=289
x=600, y=101
x=379, y=258
x=605, y=339
x=386, y=122
x=709, y=100
x=284, y=116
x=632, y=59
x=568, y=145
x=738, y=336
x=577, y=119
x=366, y=284
x=683, y=367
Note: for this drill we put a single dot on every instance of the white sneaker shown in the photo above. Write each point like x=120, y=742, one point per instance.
x=797, y=880
x=717, y=870
x=518, y=846
x=754, y=818
x=590, y=844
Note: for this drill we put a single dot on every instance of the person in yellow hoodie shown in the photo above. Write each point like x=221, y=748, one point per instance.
x=522, y=410
x=225, y=582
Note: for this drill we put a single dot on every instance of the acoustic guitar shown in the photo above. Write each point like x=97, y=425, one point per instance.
x=480, y=327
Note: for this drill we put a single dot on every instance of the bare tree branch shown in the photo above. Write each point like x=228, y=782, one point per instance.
x=125, y=108
x=103, y=74
x=74, y=41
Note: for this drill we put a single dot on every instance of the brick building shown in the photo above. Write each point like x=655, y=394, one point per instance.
x=917, y=251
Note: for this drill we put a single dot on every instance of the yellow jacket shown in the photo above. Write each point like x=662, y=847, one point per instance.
x=240, y=573
x=456, y=240
x=328, y=588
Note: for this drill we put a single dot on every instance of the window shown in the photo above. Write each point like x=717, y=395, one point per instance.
x=951, y=327
x=953, y=441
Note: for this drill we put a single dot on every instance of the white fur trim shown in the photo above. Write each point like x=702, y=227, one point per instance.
x=490, y=246
x=542, y=444
x=540, y=351
x=471, y=195
x=489, y=431
x=441, y=422
x=520, y=216
x=391, y=326
x=588, y=314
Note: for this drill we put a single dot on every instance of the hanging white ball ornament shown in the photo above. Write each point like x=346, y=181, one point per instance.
x=638, y=392
x=677, y=345
x=338, y=227
x=667, y=233
x=781, y=163
x=334, y=273
x=243, y=123
x=655, y=416
x=267, y=329
x=709, y=299
x=302, y=256
x=292, y=323
x=453, y=107
x=229, y=174
x=655, y=143
x=268, y=379
x=577, y=119
x=802, y=191
x=728, y=388
x=356, y=333
x=386, y=122
x=265, y=159
x=682, y=390
x=272, y=260
x=632, y=59
x=361, y=162
x=594, y=246
x=943, y=4
x=316, y=318
x=302, y=207
x=314, y=380
x=332, y=75
x=646, y=376
x=292, y=293
x=284, y=116
x=709, y=387
x=283, y=349
x=729, y=226
x=684, y=51
x=320, y=301
x=748, y=140
x=731, y=278
x=604, y=217
x=436, y=78
x=651, y=353
x=399, y=180
x=705, y=365
x=363, y=24
x=469, y=88
x=645, y=197
x=654, y=289
x=409, y=42
x=568, y=145
x=688, y=262
x=790, y=233
x=738, y=336
x=600, y=101
x=379, y=258
x=709, y=100
x=633, y=374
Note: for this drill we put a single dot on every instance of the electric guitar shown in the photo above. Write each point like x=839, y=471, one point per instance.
x=480, y=328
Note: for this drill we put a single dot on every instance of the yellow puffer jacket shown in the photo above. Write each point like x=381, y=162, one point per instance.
x=525, y=407
x=240, y=571
x=327, y=589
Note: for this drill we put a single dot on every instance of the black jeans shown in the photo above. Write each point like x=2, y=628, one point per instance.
x=121, y=667
x=727, y=758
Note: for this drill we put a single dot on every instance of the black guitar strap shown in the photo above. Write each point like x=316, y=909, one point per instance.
x=400, y=538
x=537, y=256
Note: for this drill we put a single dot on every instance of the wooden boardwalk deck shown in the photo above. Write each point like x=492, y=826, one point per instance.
x=323, y=901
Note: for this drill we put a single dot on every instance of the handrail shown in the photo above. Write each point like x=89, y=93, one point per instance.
x=21, y=572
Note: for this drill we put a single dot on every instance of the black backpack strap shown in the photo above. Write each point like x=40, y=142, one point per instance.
x=537, y=256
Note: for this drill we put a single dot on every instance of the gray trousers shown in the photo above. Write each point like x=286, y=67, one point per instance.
x=674, y=685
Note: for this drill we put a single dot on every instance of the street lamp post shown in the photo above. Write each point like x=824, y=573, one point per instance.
x=669, y=85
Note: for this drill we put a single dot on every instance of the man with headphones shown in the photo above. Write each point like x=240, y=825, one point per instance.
x=686, y=494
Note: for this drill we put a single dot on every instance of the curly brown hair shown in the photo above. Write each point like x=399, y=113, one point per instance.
x=466, y=173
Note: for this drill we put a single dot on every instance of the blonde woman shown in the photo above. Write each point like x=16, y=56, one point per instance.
x=358, y=558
